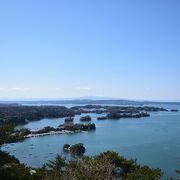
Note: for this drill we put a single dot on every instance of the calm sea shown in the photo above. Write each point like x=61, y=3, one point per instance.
x=153, y=141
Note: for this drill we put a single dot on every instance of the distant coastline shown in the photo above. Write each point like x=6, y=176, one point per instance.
x=88, y=101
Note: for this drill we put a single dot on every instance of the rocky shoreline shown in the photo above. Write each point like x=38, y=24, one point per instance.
x=54, y=133
x=62, y=129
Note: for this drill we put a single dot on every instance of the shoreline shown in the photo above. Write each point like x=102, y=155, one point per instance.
x=55, y=133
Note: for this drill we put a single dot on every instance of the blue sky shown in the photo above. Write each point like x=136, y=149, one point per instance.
x=112, y=48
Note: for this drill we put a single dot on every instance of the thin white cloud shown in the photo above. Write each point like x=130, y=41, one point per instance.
x=19, y=89
x=55, y=89
x=79, y=88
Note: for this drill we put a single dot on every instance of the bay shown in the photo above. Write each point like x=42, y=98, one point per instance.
x=153, y=141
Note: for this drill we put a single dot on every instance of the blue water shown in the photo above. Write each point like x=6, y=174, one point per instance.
x=154, y=141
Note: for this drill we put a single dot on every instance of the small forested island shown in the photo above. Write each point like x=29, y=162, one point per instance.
x=116, y=115
x=101, y=117
x=174, y=110
x=69, y=120
x=76, y=149
x=85, y=118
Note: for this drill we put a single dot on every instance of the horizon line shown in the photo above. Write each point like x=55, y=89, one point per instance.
x=83, y=99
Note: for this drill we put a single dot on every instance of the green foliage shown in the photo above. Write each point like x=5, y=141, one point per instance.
x=77, y=149
x=57, y=164
x=55, y=168
x=18, y=114
x=85, y=118
x=5, y=134
x=144, y=172
x=66, y=147
x=100, y=167
x=15, y=171
x=5, y=158
x=178, y=171
x=10, y=168
x=87, y=168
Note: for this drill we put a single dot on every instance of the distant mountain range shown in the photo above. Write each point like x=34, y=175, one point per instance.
x=86, y=100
